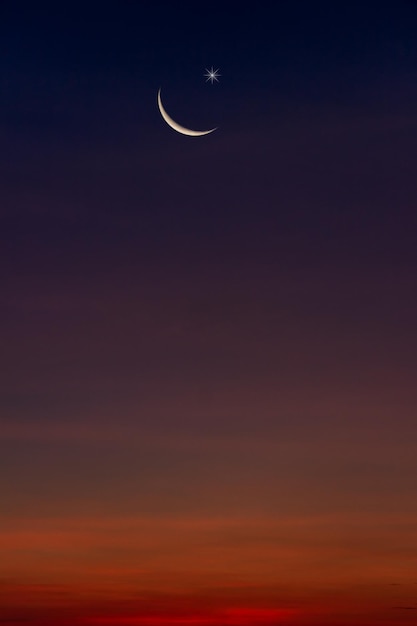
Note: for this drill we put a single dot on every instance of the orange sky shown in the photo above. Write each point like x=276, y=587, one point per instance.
x=334, y=569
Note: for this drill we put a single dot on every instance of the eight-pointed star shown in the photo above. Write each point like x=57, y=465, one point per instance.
x=212, y=75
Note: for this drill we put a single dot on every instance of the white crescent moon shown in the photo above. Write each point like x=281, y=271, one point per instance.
x=178, y=127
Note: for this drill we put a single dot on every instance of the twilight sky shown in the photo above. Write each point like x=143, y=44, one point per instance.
x=208, y=346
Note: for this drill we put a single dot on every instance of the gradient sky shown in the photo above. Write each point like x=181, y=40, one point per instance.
x=208, y=347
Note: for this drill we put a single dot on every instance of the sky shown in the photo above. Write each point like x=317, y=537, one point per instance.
x=208, y=344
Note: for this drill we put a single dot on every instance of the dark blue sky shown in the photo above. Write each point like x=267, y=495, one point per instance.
x=81, y=132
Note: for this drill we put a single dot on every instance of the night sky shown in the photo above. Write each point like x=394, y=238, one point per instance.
x=208, y=346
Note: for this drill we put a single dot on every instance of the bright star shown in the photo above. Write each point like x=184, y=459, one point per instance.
x=212, y=75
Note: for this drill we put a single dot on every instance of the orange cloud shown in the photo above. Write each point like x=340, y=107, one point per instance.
x=211, y=571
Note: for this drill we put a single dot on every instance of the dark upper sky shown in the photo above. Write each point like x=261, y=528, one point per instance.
x=222, y=326
x=313, y=98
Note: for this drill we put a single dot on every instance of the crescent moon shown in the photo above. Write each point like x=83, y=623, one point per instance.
x=178, y=127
